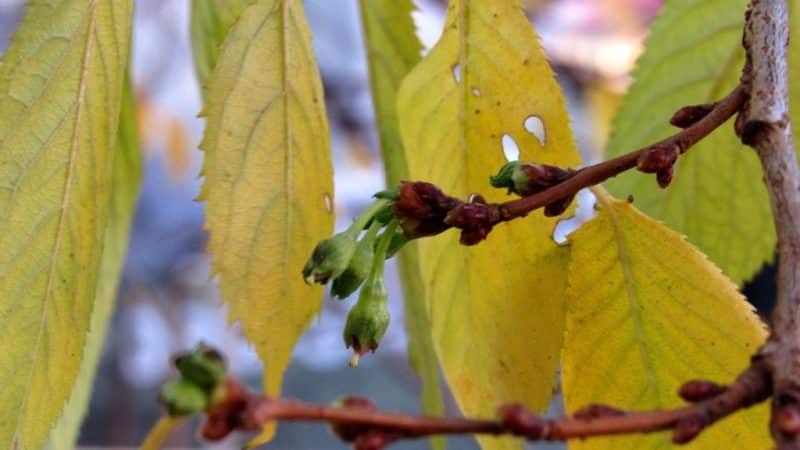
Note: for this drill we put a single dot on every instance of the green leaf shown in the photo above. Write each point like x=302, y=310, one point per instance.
x=210, y=22
x=393, y=50
x=268, y=177
x=60, y=92
x=127, y=172
x=646, y=313
x=694, y=55
x=496, y=309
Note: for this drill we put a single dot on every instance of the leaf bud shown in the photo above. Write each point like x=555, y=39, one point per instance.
x=181, y=397
x=203, y=366
x=657, y=159
x=330, y=258
x=350, y=432
x=529, y=178
x=689, y=115
x=556, y=208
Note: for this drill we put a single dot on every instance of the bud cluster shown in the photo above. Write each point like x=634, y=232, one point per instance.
x=355, y=258
x=200, y=385
x=525, y=179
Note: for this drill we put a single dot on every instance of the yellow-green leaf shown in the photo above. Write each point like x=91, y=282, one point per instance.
x=210, y=22
x=60, y=89
x=647, y=312
x=694, y=55
x=794, y=63
x=124, y=191
x=393, y=49
x=268, y=177
x=496, y=309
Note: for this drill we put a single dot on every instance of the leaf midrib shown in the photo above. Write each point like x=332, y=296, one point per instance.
x=74, y=144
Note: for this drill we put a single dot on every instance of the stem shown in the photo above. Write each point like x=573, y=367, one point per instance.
x=596, y=174
x=764, y=124
x=160, y=432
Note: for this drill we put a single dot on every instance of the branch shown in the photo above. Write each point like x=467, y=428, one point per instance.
x=357, y=420
x=424, y=210
x=764, y=124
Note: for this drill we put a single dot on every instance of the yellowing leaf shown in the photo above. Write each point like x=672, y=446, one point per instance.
x=647, y=312
x=694, y=55
x=393, y=49
x=496, y=308
x=60, y=88
x=124, y=191
x=210, y=22
x=268, y=177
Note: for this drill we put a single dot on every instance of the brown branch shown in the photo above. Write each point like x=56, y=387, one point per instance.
x=595, y=174
x=764, y=124
x=424, y=210
x=357, y=420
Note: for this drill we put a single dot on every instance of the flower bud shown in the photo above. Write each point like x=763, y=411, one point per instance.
x=529, y=178
x=368, y=319
x=359, y=267
x=330, y=258
x=182, y=397
x=203, y=366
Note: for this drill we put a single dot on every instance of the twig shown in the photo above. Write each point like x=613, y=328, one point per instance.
x=595, y=174
x=764, y=124
x=357, y=420
x=426, y=211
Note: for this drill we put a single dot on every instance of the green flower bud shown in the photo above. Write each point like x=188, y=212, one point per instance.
x=330, y=258
x=368, y=320
x=359, y=267
x=203, y=366
x=182, y=397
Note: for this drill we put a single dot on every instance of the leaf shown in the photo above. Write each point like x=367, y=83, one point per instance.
x=127, y=172
x=647, y=312
x=60, y=88
x=210, y=22
x=694, y=55
x=268, y=177
x=495, y=309
x=393, y=50
x=794, y=64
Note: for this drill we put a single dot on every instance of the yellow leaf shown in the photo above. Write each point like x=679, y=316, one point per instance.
x=694, y=55
x=393, y=50
x=210, y=21
x=60, y=88
x=268, y=177
x=497, y=308
x=647, y=312
x=124, y=192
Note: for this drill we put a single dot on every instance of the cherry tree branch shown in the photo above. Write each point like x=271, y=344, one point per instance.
x=764, y=124
x=424, y=210
x=357, y=420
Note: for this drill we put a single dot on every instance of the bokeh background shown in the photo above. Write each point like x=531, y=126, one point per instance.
x=167, y=301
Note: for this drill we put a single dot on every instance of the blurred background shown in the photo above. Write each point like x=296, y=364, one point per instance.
x=167, y=303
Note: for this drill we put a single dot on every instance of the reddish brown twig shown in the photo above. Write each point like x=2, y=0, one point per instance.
x=358, y=421
x=426, y=211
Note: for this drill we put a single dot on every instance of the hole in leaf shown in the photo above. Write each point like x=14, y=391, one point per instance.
x=510, y=148
x=583, y=213
x=535, y=126
x=328, y=202
x=457, y=72
x=476, y=92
